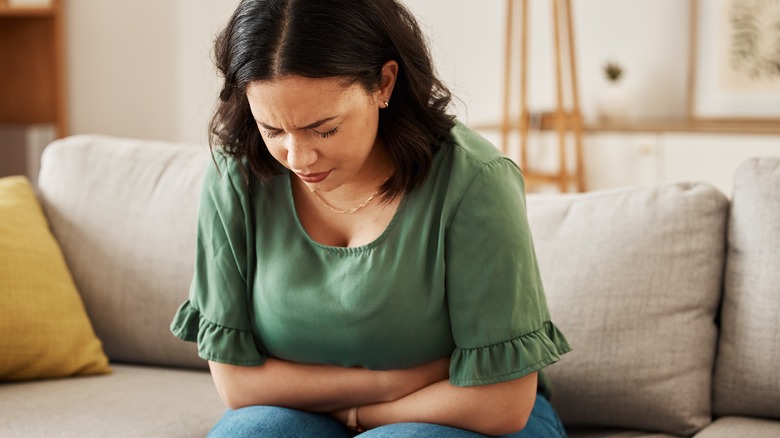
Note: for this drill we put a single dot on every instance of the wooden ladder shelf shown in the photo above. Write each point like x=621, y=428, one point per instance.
x=562, y=120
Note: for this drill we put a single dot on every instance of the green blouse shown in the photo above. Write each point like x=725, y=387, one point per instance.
x=454, y=274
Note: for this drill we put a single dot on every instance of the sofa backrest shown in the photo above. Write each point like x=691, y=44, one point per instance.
x=124, y=213
x=633, y=279
x=747, y=372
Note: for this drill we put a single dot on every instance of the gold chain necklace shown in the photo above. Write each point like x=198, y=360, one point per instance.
x=351, y=210
x=340, y=211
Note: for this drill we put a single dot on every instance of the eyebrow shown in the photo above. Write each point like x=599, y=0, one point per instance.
x=316, y=124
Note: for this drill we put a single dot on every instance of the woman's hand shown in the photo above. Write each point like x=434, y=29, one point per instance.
x=342, y=415
x=403, y=382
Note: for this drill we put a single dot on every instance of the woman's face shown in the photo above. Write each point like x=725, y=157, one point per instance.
x=323, y=132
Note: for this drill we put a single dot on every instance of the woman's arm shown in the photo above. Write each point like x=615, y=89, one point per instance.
x=497, y=409
x=319, y=388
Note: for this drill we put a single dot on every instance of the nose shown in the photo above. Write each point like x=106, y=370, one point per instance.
x=300, y=156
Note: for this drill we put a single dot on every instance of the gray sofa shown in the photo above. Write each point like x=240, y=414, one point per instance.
x=669, y=295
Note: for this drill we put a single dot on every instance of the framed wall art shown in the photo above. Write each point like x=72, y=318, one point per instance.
x=734, y=61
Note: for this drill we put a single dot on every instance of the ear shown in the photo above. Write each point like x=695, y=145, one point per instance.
x=386, y=83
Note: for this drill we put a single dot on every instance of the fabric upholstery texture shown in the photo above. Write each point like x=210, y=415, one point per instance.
x=44, y=329
x=741, y=427
x=634, y=277
x=124, y=213
x=746, y=369
x=131, y=402
x=615, y=434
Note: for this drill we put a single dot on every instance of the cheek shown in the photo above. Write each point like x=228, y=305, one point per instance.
x=276, y=150
x=368, y=139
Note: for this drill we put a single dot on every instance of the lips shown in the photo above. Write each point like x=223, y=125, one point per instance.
x=312, y=178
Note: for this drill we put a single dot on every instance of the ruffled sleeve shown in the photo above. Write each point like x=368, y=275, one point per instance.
x=216, y=315
x=499, y=316
x=216, y=343
x=509, y=359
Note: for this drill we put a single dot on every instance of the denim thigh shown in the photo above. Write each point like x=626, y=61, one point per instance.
x=270, y=421
x=276, y=422
x=543, y=423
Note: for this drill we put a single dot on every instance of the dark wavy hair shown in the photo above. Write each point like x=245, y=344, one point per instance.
x=349, y=39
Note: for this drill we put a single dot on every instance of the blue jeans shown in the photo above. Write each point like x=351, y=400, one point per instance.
x=274, y=422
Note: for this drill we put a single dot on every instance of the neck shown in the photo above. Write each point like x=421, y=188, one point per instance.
x=351, y=198
x=347, y=211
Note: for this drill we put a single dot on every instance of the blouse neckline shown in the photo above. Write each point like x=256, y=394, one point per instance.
x=341, y=249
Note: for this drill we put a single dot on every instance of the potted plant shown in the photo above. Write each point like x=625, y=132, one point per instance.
x=614, y=102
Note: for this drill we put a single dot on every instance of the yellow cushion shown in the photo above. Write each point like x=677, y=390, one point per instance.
x=44, y=328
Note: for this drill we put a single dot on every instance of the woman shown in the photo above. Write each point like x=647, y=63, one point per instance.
x=364, y=261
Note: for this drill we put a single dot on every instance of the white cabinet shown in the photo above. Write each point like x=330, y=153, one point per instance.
x=713, y=157
x=618, y=159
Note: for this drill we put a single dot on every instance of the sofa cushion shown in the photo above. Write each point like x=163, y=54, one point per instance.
x=633, y=278
x=131, y=402
x=44, y=330
x=747, y=369
x=606, y=433
x=731, y=427
x=124, y=213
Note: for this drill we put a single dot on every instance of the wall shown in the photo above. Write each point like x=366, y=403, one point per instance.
x=648, y=38
x=143, y=68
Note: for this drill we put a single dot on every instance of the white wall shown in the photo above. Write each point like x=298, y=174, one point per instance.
x=143, y=68
x=649, y=38
x=199, y=22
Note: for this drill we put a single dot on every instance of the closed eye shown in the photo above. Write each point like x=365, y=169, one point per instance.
x=330, y=133
x=270, y=134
